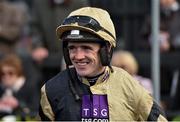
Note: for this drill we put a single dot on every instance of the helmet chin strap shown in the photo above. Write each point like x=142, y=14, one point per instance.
x=110, y=50
x=73, y=90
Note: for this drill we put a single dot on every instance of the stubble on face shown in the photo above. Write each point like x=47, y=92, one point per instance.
x=85, y=58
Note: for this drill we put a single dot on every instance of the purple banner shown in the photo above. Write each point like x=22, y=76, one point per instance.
x=104, y=111
x=86, y=106
x=95, y=106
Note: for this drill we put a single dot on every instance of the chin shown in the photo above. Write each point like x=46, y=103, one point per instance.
x=83, y=73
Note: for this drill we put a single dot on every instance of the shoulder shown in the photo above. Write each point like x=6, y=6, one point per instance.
x=124, y=78
x=122, y=75
x=55, y=87
x=58, y=81
x=125, y=82
x=129, y=87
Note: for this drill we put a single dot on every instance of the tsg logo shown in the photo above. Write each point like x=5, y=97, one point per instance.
x=95, y=107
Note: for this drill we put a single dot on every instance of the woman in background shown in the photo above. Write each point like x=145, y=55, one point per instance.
x=17, y=95
x=128, y=62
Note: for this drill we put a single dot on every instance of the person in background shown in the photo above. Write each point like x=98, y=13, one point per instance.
x=127, y=61
x=17, y=35
x=93, y=90
x=169, y=35
x=12, y=20
x=46, y=15
x=17, y=95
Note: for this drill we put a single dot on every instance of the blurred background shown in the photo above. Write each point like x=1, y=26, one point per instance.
x=27, y=30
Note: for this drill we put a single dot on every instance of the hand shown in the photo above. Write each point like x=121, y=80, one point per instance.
x=39, y=54
x=9, y=101
x=164, y=41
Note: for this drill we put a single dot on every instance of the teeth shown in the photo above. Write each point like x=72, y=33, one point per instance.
x=82, y=63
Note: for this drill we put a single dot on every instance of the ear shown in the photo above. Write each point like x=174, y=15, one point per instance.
x=106, y=54
x=66, y=54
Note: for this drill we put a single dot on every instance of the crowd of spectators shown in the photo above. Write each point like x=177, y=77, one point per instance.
x=27, y=39
x=169, y=36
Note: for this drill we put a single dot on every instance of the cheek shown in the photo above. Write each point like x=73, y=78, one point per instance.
x=9, y=78
x=96, y=58
x=71, y=56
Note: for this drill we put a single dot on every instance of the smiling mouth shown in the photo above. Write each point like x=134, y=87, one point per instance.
x=84, y=63
x=81, y=63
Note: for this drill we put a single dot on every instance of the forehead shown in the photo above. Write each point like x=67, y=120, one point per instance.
x=7, y=67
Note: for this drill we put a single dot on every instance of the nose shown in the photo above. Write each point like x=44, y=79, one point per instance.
x=79, y=54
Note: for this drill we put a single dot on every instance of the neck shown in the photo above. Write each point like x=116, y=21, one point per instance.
x=92, y=79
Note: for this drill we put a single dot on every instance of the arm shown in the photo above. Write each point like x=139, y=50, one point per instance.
x=149, y=110
x=45, y=112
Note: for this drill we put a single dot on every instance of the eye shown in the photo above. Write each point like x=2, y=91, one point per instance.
x=87, y=48
x=71, y=47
